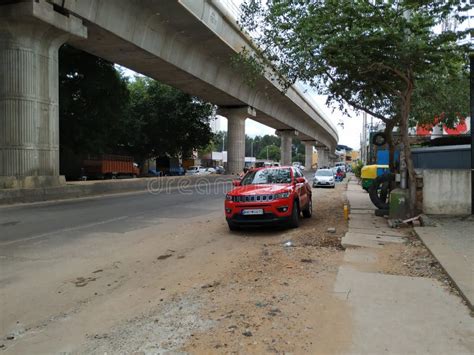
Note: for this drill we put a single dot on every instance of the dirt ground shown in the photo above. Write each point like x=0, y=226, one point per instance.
x=275, y=298
x=192, y=287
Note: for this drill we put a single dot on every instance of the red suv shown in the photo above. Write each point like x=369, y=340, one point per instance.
x=274, y=195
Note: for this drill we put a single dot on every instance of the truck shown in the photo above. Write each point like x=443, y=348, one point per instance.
x=108, y=166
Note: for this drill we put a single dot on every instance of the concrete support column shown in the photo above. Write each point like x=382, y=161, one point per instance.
x=30, y=36
x=308, y=161
x=236, y=133
x=285, y=146
x=323, y=156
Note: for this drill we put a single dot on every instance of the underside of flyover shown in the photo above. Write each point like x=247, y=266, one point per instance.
x=170, y=41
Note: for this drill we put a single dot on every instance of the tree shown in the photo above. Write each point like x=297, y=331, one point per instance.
x=270, y=152
x=93, y=98
x=165, y=121
x=367, y=54
x=442, y=95
x=298, y=151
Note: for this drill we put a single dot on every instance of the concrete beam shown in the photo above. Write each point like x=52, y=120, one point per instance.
x=30, y=36
x=188, y=44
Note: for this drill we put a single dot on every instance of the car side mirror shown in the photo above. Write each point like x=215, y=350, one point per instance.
x=236, y=182
x=300, y=180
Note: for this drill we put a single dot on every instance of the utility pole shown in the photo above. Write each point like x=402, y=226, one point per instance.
x=471, y=86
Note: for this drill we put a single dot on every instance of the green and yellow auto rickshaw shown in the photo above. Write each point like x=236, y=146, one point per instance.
x=370, y=172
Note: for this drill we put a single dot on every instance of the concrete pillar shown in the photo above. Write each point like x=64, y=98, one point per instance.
x=285, y=146
x=323, y=157
x=30, y=36
x=308, y=162
x=236, y=133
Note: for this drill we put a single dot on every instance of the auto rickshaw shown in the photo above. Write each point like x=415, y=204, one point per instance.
x=370, y=172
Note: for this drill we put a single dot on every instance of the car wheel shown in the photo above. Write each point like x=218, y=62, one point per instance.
x=308, y=212
x=295, y=216
x=233, y=227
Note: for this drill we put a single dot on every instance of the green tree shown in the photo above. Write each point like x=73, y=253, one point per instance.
x=220, y=141
x=163, y=120
x=367, y=54
x=93, y=98
x=443, y=94
x=271, y=152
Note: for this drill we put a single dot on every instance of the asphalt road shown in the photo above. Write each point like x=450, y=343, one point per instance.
x=59, y=221
x=77, y=218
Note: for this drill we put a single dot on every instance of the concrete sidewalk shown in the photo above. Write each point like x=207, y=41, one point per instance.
x=451, y=241
x=391, y=313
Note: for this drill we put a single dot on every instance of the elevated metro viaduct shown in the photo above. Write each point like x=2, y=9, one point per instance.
x=187, y=44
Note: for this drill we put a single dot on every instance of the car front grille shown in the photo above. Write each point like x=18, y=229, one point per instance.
x=253, y=198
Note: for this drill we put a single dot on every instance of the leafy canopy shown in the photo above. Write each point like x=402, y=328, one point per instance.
x=164, y=120
x=368, y=54
x=92, y=100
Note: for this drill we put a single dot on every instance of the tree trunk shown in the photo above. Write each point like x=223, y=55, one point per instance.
x=391, y=146
x=405, y=113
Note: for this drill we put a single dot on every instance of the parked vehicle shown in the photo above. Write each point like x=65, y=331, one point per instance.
x=196, y=170
x=154, y=172
x=210, y=171
x=220, y=169
x=370, y=172
x=266, y=164
x=298, y=165
x=269, y=196
x=324, y=177
x=109, y=166
x=169, y=166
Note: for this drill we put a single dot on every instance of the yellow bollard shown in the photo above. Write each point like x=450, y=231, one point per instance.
x=346, y=212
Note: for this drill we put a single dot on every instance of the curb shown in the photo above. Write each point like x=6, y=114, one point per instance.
x=465, y=298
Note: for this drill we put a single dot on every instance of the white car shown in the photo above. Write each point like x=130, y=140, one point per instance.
x=210, y=171
x=324, y=177
x=195, y=170
x=298, y=165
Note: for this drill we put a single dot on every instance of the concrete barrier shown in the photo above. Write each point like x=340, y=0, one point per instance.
x=72, y=190
x=447, y=191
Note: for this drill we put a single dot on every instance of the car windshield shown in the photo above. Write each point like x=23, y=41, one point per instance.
x=324, y=173
x=267, y=176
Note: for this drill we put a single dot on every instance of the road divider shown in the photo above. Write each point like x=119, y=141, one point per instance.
x=206, y=184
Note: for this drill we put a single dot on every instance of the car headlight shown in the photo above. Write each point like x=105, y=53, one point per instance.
x=281, y=195
x=330, y=180
x=228, y=197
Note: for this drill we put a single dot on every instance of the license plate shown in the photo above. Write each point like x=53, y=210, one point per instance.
x=252, y=212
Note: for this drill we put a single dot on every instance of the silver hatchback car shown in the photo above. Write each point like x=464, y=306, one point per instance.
x=324, y=177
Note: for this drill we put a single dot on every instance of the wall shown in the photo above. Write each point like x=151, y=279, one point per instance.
x=447, y=191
